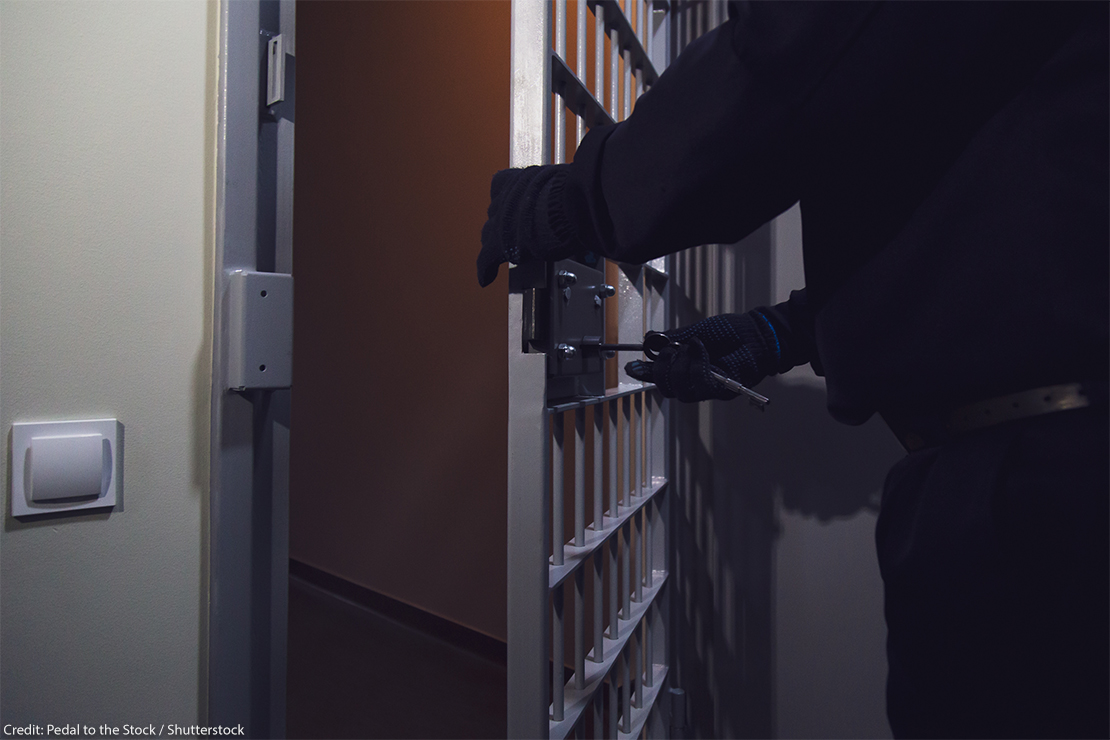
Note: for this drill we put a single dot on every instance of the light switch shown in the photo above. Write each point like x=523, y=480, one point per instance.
x=63, y=466
x=69, y=467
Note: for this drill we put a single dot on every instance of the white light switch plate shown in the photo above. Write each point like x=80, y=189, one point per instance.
x=49, y=438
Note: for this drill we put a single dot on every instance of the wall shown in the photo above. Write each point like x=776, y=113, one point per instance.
x=830, y=637
x=779, y=601
x=398, y=454
x=107, y=153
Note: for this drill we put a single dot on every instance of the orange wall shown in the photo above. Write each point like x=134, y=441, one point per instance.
x=399, y=404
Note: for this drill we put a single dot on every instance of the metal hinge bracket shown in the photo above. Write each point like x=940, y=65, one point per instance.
x=260, y=330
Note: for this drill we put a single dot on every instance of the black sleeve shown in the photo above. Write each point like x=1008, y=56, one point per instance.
x=756, y=111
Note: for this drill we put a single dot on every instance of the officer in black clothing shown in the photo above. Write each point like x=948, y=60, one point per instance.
x=951, y=161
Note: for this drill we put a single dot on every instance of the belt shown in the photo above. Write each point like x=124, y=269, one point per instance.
x=919, y=431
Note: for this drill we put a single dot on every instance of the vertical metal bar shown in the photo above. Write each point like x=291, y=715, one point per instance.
x=560, y=129
x=561, y=29
x=614, y=696
x=638, y=446
x=557, y=470
x=580, y=629
x=599, y=607
x=627, y=107
x=649, y=648
x=637, y=558
x=626, y=691
x=580, y=28
x=579, y=477
x=638, y=672
x=599, y=468
x=613, y=459
x=599, y=53
x=614, y=590
x=649, y=542
x=626, y=407
x=529, y=534
x=557, y=655
x=626, y=580
x=614, y=73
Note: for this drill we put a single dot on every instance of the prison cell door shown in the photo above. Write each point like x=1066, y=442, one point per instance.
x=588, y=472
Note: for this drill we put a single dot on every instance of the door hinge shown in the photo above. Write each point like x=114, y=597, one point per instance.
x=260, y=330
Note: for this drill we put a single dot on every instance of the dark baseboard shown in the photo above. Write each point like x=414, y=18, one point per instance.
x=410, y=616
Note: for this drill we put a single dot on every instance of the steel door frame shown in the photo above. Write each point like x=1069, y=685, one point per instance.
x=248, y=543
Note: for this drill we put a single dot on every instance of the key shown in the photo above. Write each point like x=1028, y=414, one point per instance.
x=656, y=342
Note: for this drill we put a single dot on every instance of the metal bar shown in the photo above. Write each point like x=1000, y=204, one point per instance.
x=649, y=541
x=599, y=469
x=614, y=698
x=649, y=647
x=626, y=438
x=575, y=94
x=529, y=536
x=599, y=607
x=580, y=629
x=575, y=701
x=637, y=443
x=557, y=655
x=626, y=585
x=599, y=52
x=627, y=107
x=621, y=391
x=640, y=714
x=614, y=591
x=626, y=691
x=560, y=130
x=580, y=46
x=617, y=22
x=579, y=477
x=557, y=474
x=639, y=672
x=637, y=558
x=614, y=71
x=574, y=557
x=614, y=504
x=561, y=28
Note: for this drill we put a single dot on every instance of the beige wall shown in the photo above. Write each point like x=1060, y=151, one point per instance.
x=107, y=154
x=398, y=459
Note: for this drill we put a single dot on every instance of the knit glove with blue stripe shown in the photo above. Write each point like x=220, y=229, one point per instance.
x=747, y=347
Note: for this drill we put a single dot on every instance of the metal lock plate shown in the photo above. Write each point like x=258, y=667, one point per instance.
x=576, y=303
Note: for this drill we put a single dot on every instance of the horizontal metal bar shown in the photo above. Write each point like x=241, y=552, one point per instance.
x=627, y=38
x=622, y=390
x=641, y=713
x=577, y=96
x=577, y=701
x=574, y=557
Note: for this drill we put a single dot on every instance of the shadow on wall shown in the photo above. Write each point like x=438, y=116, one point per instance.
x=737, y=471
x=731, y=486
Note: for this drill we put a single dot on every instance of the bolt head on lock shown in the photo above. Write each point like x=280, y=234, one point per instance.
x=566, y=278
x=566, y=352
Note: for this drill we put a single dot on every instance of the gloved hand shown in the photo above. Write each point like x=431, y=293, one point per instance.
x=744, y=347
x=525, y=220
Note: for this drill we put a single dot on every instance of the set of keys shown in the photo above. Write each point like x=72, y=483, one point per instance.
x=653, y=344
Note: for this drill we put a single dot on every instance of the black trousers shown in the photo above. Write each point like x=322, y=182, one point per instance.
x=994, y=553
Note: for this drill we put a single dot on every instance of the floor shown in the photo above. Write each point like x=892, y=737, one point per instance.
x=364, y=666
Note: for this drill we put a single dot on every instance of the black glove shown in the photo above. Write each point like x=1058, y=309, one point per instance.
x=526, y=220
x=745, y=347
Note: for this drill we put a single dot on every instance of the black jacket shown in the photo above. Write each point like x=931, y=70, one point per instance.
x=951, y=161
